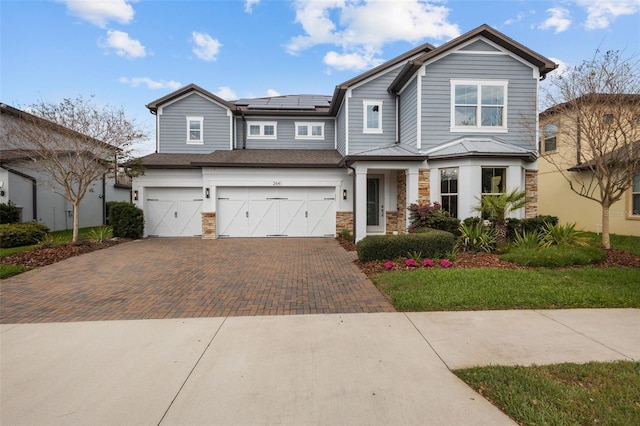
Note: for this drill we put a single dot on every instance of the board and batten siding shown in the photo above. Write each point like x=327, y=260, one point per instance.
x=409, y=114
x=285, y=133
x=436, y=97
x=173, y=126
x=374, y=90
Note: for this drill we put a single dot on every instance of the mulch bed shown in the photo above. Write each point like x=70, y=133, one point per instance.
x=43, y=256
x=488, y=260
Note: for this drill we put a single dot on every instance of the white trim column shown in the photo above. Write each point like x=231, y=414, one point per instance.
x=412, y=188
x=360, y=215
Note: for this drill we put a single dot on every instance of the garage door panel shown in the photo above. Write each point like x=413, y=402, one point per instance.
x=234, y=221
x=173, y=212
x=281, y=211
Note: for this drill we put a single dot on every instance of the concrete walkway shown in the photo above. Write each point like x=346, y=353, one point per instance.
x=376, y=368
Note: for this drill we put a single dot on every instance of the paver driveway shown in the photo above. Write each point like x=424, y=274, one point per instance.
x=189, y=277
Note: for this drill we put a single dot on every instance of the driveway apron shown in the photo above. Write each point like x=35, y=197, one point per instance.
x=190, y=277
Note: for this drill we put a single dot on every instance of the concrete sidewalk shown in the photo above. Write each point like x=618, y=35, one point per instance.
x=378, y=368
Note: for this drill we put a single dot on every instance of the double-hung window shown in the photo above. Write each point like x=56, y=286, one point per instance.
x=262, y=130
x=372, y=119
x=195, y=130
x=478, y=106
x=449, y=190
x=549, y=138
x=494, y=182
x=309, y=130
x=635, y=196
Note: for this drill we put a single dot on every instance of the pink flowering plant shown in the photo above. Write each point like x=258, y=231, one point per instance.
x=412, y=263
x=428, y=263
x=388, y=265
x=445, y=263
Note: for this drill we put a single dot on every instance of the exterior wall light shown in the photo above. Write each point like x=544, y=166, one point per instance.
x=344, y=194
x=207, y=192
x=135, y=195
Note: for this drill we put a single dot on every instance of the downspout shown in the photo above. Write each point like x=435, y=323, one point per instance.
x=104, y=199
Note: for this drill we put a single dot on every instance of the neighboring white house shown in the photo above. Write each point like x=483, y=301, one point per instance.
x=447, y=124
x=38, y=199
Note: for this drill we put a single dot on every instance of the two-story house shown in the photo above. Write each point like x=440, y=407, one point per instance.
x=448, y=124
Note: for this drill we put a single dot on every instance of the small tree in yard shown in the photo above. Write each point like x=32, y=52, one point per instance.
x=598, y=107
x=73, y=143
x=498, y=207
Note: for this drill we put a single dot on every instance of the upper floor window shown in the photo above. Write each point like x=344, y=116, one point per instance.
x=262, y=130
x=478, y=105
x=449, y=190
x=372, y=120
x=549, y=138
x=312, y=130
x=195, y=129
x=607, y=118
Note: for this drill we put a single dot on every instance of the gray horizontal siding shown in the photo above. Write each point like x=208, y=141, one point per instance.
x=286, y=135
x=480, y=46
x=436, y=97
x=342, y=131
x=408, y=114
x=173, y=126
x=373, y=90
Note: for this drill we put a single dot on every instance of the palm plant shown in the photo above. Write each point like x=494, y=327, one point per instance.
x=498, y=207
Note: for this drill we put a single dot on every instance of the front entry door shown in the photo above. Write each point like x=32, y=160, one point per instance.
x=375, y=206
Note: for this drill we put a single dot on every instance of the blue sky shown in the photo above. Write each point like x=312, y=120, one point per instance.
x=130, y=52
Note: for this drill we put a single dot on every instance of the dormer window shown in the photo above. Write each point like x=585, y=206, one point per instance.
x=478, y=106
x=372, y=120
x=195, y=130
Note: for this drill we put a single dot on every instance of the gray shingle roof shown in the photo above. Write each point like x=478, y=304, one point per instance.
x=246, y=158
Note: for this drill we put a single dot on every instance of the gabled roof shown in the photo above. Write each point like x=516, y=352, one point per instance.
x=603, y=98
x=612, y=157
x=479, y=147
x=171, y=161
x=153, y=106
x=341, y=89
x=544, y=64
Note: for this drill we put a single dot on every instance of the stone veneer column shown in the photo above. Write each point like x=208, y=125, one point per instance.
x=531, y=189
x=208, y=225
x=424, y=186
x=344, y=220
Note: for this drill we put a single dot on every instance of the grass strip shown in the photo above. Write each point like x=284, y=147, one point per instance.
x=594, y=393
x=491, y=289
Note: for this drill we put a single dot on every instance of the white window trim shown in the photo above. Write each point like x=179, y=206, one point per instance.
x=365, y=104
x=195, y=141
x=478, y=128
x=262, y=125
x=309, y=125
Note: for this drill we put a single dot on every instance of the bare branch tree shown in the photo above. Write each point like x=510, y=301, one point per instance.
x=596, y=108
x=74, y=143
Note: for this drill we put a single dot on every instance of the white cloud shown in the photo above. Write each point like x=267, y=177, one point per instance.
x=101, y=12
x=351, y=61
x=123, y=45
x=226, y=93
x=206, y=47
x=559, y=20
x=602, y=13
x=151, y=84
x=360, y=27
x=519, y=17
x=273, y=93
x=248, y=5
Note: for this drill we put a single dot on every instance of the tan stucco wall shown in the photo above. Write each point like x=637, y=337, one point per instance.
x=557, y=199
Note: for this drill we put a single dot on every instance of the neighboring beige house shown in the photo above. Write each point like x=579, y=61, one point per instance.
x=561, y=149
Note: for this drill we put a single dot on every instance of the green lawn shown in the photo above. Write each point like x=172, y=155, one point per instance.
x=563, y=394
x=627, y=243
x=488, y=289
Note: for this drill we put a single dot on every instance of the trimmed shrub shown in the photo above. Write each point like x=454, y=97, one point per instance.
x=9, y=213
x=431, y=216
x=22, y=234
x=433, y=244
x=555, y=256
x=126, y=220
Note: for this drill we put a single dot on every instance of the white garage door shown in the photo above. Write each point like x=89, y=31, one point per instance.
x=173, y=212
x=283, y=212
